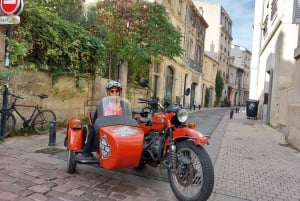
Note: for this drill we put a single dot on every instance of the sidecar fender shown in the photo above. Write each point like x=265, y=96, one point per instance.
x=75, y=134
x=183, y=133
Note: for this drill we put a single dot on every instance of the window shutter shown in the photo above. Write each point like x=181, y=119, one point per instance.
x=296, y=9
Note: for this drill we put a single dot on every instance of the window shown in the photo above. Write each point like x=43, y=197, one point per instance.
x=191, y=48
x=169, y=85
x=296, y=15
x=155, y=67
x=273, y=9
x=155, y=83
x=179, y=8
x=265, y=30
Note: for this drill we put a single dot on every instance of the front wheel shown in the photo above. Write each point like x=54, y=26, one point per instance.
x=41, y=121
x=71, y=162
x=10, y=123
x=193, y=178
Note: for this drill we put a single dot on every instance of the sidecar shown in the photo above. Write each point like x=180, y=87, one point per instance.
x=119, y=137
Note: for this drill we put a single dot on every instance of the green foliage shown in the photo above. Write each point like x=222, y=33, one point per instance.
x=45, y=41
x=71, y=10
x=5, y=73
x=64, y=38
x=207, y=96
x=219, y=87
x=138, y=31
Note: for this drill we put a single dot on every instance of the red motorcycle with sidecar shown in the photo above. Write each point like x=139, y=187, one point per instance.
x=160, y=139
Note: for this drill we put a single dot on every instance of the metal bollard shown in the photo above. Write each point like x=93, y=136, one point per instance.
x=231, y=113
x=52, y=133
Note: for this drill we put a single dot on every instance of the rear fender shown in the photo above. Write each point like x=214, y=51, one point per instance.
x=75, y=134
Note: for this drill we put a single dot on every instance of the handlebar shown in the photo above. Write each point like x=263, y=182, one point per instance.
x=144, y=100
x=15, y=96
x=152, y=102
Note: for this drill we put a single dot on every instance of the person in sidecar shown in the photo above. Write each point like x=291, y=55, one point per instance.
x=113, y=88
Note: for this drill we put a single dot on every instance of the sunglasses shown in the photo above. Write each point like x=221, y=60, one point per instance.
x=114, y=91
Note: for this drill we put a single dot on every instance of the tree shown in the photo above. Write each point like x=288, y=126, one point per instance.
x=219, y=87
x=45, y=41
x=138, y=31
x=71, y=10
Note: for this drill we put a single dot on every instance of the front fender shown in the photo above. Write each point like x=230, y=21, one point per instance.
x=75, y=134
x=197, y=137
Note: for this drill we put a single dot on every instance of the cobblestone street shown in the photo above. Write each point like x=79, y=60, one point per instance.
x=253, y=163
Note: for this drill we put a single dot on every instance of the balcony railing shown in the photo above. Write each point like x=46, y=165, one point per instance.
x=195, y=66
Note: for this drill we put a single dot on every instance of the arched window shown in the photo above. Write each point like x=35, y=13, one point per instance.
x=169, y=85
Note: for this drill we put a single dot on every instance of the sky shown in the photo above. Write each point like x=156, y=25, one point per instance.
x=241, y=13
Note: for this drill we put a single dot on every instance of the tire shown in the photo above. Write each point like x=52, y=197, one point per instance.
x=41, y=121
x=193, y=179
x=71, y=162
x=10, y=124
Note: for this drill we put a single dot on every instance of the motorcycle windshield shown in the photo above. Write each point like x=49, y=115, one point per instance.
x=114, y=105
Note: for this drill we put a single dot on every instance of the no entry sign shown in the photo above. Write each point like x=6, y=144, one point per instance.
x=11, y=6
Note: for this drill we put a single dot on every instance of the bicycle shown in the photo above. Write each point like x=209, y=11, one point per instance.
x=38, y=120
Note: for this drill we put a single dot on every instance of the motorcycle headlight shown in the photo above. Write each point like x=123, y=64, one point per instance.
x=182, y=115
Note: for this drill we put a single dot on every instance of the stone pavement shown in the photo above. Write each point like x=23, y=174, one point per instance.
x=253, y=163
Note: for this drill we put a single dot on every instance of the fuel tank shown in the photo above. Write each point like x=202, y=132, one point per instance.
x=158, y=122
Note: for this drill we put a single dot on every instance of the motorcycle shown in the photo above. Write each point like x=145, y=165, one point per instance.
x=157, y=139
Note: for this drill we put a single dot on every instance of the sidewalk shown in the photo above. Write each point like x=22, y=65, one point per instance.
x=253, y=163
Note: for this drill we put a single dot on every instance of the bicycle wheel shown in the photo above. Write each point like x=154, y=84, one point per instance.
x=41, y=121
x=10, y=123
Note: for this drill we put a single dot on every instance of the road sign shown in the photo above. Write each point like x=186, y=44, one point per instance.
x=10, y=6
x=19, y=10
x=12, y=19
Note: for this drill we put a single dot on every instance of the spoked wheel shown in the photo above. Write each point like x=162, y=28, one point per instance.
x=71, y=162
x=10, y=124
x=193, y=179
x=42, y=120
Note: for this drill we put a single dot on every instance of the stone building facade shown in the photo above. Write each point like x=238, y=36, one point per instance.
x=210, y=68
x=275, y=65
x=218, y=40
x=239, y=76
x=170, y=78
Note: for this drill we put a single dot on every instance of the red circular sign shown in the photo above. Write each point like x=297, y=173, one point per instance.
x=10, y=6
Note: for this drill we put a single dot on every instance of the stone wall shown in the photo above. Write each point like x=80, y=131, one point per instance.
x=67, y=97
x=293, y=136
x=64, y=98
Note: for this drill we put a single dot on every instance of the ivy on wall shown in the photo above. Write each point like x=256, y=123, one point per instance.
x=219, y=87
x=47, y=42
x=66, y=38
